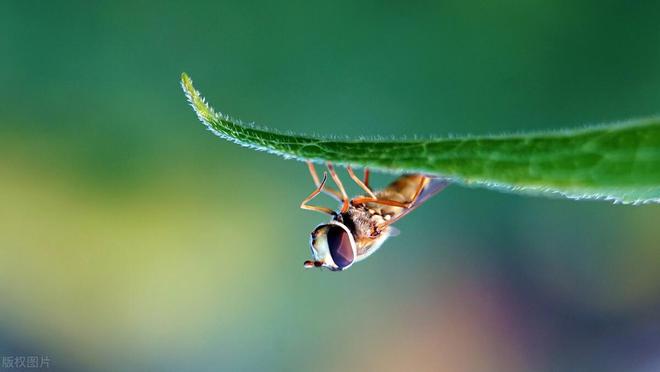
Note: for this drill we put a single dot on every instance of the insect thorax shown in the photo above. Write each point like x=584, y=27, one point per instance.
x=362, y=221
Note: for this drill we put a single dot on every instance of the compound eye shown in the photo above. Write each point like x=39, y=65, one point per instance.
x=340, y=246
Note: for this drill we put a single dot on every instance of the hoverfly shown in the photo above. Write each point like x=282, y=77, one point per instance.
x=363, y=223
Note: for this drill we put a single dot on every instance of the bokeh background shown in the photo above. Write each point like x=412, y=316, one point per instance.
x=133, y=239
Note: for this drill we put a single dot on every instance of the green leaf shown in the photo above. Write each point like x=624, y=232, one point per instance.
x=618, y=162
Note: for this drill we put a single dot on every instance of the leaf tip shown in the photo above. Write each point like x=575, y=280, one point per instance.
x=204, y=112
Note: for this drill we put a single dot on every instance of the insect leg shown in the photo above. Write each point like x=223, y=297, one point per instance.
x=328, y=190
x=393, y=203
x=344, y=197
x=366, y=177
x=311, y=196
x=360, y=183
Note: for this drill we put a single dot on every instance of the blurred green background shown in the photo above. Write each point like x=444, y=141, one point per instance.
x=133, y=239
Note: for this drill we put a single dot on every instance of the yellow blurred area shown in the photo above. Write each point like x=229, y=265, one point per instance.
x=156, y=264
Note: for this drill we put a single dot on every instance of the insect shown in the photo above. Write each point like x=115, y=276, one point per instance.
x=363, y=223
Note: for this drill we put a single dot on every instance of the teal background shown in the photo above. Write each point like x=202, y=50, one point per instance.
x=133, y=239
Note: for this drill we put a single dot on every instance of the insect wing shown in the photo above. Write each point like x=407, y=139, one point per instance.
x=434, y=186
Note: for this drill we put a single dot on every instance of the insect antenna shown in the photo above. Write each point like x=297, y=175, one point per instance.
x=309, y=264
